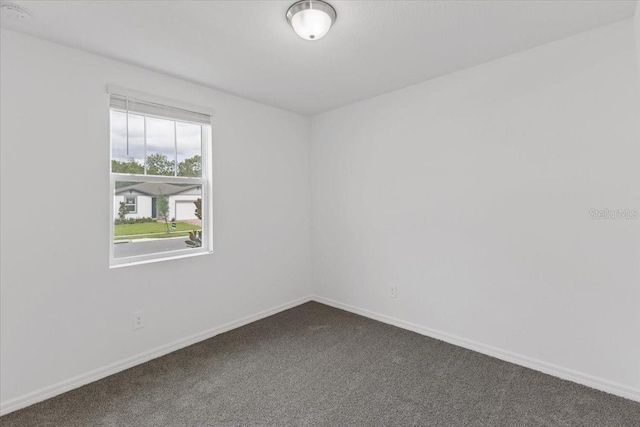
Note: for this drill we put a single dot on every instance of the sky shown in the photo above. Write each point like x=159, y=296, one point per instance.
x=160, y=138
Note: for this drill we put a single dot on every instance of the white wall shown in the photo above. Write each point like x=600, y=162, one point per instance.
x=473, y=193
x=636, y=20
x=64, y=313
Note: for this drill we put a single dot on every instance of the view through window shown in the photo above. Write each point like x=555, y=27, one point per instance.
x=159, y=181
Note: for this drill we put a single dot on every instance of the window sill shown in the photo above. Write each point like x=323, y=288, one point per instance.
x=127, y=262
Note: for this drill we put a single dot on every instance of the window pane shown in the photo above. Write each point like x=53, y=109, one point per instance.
x=189, y=144
x=161, y=148
x=166, y=214
x=127, y=157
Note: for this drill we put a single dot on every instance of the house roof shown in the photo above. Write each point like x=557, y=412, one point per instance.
x=156, y=188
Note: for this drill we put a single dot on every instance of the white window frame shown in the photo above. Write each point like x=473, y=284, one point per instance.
x=206, y=181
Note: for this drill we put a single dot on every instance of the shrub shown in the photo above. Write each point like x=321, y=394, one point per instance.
x=195, y=239
x=119, y=221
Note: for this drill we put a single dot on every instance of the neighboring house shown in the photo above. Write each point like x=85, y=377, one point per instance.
x=141, y=200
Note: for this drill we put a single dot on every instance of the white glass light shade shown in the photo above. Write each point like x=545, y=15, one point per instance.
x=311, y=24
x=311, y=19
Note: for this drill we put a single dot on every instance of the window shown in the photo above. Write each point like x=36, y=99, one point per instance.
x=160, y=179
x=130, y=204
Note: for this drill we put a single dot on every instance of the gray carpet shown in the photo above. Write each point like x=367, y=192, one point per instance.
x=315, y=365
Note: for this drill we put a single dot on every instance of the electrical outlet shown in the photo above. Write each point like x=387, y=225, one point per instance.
x=393, y=291
x=138, y=320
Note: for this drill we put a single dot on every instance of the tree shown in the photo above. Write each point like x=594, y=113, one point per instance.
x=162, y=207
x=130, y=166
x=190, y=167
x=123, y=210
x=158, y=164
x=195, y=236
x=198, y=204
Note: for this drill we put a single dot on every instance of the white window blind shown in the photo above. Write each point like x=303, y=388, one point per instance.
x=135, y=106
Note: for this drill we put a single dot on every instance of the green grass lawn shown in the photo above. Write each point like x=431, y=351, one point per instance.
x=156, y=230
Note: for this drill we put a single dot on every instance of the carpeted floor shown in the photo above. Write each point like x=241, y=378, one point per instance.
x=315, y=365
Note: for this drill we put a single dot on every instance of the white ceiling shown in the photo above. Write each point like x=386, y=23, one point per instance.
x=248, y=49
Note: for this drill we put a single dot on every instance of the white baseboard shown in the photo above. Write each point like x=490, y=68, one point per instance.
x=97, y=374
x=607, y=386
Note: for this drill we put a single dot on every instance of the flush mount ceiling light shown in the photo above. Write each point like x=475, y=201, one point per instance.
x=311, y=19
x=14, y=13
